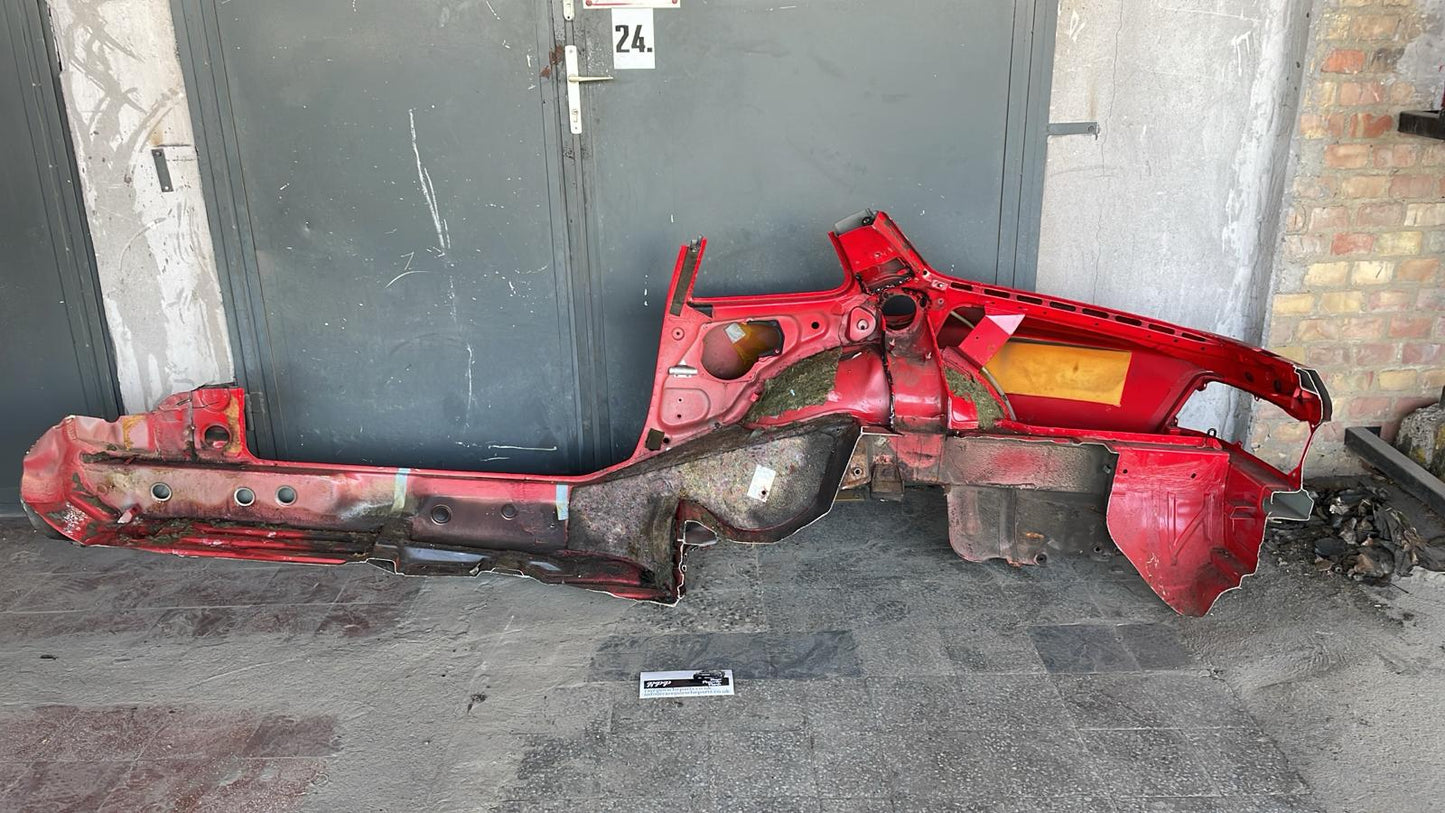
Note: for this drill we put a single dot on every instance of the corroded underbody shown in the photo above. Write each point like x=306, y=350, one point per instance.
x=1051, y=425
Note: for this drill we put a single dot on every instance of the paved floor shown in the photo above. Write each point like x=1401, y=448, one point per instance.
x=876, y=672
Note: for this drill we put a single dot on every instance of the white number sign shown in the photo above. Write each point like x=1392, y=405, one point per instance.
x=632, y=41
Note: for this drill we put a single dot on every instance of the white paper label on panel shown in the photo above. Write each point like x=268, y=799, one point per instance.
x=632, y=39
x=762, y=483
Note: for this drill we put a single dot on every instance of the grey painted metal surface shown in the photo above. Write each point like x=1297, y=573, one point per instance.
x=395, y=181
x=444, y=294
x=763, y=124
x=54, y=359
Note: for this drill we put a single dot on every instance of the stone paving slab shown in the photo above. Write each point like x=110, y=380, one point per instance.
x=875, y=672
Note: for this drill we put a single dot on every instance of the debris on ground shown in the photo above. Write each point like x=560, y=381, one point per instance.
x=1354, y=531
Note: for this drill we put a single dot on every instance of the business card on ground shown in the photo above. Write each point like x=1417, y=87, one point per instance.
x=685, y=683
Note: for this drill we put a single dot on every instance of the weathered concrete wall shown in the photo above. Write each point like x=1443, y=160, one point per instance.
x=1173, y=210
x=124, y=96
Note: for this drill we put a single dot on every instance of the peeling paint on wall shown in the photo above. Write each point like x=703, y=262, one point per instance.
x=124, y=96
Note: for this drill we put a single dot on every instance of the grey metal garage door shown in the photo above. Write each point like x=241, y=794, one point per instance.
x=428, y=266
x=54, y=359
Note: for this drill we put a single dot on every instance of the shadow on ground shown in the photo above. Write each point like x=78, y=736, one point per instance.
x=876, y=672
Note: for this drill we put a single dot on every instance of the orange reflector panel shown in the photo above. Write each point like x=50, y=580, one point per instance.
x=1061, y=371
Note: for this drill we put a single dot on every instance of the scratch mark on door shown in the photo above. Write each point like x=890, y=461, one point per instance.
x=406, y=270
x=471, y=363
x=428, y=191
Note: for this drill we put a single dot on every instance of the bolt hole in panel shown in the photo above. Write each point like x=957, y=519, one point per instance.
x=752, y=426
x=217, y=436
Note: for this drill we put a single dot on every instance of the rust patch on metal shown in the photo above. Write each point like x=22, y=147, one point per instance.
x=127, y=423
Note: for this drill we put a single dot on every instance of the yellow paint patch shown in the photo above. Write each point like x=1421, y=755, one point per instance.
x=1061, y=371
x=127, y=423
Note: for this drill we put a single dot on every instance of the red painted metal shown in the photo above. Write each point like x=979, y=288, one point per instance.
x=903, y=352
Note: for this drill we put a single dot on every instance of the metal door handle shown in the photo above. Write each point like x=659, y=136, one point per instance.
x=574, y=90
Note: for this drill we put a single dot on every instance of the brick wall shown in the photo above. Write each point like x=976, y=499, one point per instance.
x=1358, y=282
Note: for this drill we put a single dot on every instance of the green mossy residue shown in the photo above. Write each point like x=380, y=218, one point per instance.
x=804, y=384
x=968, y=389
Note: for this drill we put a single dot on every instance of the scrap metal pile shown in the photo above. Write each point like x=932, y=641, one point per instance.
x=1354, y=531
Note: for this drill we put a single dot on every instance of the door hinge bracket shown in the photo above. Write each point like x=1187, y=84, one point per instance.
x=1065, y=128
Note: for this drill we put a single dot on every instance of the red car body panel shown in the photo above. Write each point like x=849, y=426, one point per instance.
x=1050, y=423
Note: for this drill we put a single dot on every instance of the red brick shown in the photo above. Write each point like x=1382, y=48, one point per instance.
x=1380, y=214
x=1431, y=299
x=1352, y=381
x=1402, y=93
x=1425, y=269
x=1294, y=220
x=1313, y=330
x=1369, y=125
x=1375, y=353
x=1361, y=93
x=1371, y=406
x=1390, y=301
x=1365, y=186
x=1352, y=243
x=1311, y=126
x=1347, y=156
x=1425, y=214
x=1395, y=156
x=1344, y=60
x=1413, y=186
x=1304, y=246
x=1410, y=327
x=1361, y=328
x=1328, y=218
x=1422, y=353
x=1315, y=187
x=1327, y=355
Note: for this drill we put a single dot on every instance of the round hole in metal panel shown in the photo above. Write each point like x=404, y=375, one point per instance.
x=216, y=436
x=509, y=511
x=161, y=492
x=286, y=495
x=244, y=496
x=899, y=311
x=730, y=350
x=441, y=515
